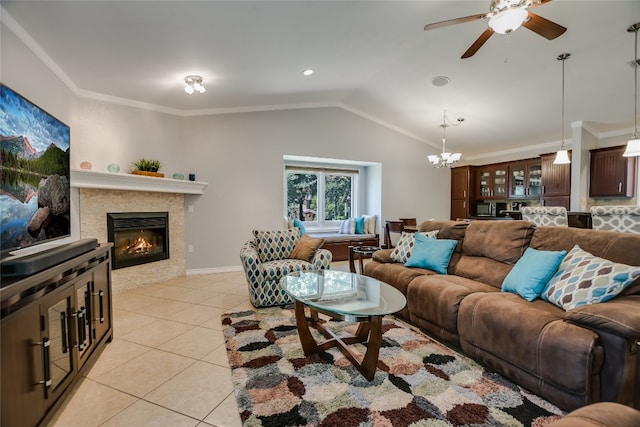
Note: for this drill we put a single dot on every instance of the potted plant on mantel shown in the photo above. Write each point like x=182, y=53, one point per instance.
x=147, y=168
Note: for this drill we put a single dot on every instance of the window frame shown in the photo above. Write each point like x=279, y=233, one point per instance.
x=321, y=224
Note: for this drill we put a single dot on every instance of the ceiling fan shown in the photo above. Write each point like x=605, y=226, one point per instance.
x=504, y=17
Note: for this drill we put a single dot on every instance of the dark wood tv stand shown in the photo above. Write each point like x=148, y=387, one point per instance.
x=53, y=326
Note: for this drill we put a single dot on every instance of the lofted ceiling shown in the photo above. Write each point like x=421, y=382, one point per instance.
x=369, y=57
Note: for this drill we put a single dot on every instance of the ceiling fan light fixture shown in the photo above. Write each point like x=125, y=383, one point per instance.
x=508, y=20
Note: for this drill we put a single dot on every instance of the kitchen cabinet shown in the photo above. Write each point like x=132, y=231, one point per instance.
x=492, y=181
x=525, y=179
x=556, y=182
x=611, y=174
x=54, y=323
x=462, y=192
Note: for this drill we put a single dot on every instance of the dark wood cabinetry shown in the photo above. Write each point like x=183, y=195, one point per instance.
x=525, y=179
x=53, y=323
x=492, y=181
x=611, y=174
x=462, y=191
x=556, y=182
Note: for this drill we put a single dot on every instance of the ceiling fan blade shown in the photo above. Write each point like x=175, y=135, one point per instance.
x=478, y=43
x=547, y=29
x=454, y=21
x=538, y=3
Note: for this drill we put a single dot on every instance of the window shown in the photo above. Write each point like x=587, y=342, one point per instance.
x=320, y=197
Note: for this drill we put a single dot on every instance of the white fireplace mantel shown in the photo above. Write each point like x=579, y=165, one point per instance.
x=123, y=181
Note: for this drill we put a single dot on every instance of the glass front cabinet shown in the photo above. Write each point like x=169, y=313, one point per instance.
x=492, y=181
x=525, y=179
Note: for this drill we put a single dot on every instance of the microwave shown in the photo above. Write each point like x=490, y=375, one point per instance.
x=491, y=209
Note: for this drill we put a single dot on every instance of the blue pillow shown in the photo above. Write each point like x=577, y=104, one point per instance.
x=433, y=254
x=532, y=272
x=360, y=225
x=300, y=225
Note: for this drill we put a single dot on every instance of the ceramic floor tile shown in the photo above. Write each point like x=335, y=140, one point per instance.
x=146, y=372
x=115, y=354
x=224, y=301
x=213, y=385
x=128, y=321
x=130, y=301
x=218, y=357
x=243, y=306
x=156, y=333
x=91, y=405
x=163, y=307
x=194, y=296
x=196, y=314
x=145, y=414
x=195, y=343
x=226, y=414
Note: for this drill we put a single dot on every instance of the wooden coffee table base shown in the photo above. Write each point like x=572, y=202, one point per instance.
x=369, y=331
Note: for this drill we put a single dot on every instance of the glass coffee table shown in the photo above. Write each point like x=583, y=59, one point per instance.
x=343, y=296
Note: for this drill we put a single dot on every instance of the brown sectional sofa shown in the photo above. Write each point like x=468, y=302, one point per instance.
x=572, y=358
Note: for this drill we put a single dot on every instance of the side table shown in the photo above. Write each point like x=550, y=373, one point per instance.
x=363, y=252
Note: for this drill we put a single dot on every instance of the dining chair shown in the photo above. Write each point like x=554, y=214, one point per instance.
x=411, y=222
x=392, y=226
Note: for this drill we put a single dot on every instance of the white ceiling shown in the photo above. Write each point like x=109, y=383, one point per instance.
x=370, y=57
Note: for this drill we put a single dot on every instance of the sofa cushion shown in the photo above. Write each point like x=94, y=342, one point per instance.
x=583, y=279
x=430, y=253
x=533, y=344
x=277, y=244
x=306, y=248
x=402, y=251
x=433, y=302
x=532, y=272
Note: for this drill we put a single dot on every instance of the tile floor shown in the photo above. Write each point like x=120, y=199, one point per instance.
x=167, y=364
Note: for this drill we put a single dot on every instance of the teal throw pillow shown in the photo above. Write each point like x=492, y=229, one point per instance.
x=532, y=272
x=584, y=278
x=300, y=225
x=360, y=225
x=432, y=254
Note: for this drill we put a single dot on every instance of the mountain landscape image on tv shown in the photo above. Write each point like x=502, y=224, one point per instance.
x=34, y=174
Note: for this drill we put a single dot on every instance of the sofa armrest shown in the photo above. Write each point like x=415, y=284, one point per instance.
x=618, y=316
x=383, y=255
x=322, y=259
x=251, y=262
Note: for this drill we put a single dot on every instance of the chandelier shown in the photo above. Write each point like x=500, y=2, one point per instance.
x=194, y=84
x=445, y=159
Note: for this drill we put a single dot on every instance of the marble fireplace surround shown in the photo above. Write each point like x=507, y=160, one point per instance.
x=100, y=193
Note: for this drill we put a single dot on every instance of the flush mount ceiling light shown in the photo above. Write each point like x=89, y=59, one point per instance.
x=445, y=159
x=194, y=84
x=440, y=81
x=307, y=72
x=562, y=156
x=633, y=145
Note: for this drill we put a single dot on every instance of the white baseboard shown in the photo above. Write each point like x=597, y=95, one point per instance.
x=197, y=271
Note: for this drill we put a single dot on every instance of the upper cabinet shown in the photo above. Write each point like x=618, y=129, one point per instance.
x=492, y=181
x=556, y=182
x=612, y=175
x=525, y=179
x=462, y=191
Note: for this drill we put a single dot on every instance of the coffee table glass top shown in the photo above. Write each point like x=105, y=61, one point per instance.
x=343, y=293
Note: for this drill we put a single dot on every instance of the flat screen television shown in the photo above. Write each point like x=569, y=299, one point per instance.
x=34, y=174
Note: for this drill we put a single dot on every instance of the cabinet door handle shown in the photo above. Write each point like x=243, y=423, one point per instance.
x=63, y=332
x=45, y=359
x=100, y=295
x=464, y=193
x=619, y=187
x=79, y=315
x=464, y=204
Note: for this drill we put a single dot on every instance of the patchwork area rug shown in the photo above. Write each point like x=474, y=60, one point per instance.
x=419, y=382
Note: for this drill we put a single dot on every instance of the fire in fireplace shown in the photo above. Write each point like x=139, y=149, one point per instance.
x=138, y=237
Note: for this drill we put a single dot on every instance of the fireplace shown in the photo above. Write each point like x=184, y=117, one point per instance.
x=138, y=237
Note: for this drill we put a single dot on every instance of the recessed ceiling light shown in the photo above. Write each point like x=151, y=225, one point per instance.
x=307, y=72
x=440, y=80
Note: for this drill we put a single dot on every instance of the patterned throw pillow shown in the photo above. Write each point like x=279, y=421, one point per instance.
x=276, y=244
x=583, y=278
x=402, y=251
x=348, y=226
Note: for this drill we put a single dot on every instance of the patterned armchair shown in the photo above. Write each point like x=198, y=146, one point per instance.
x=616, y=218
x=265, y=260
x=545, y=215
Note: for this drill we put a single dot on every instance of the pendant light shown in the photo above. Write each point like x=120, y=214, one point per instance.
x=633, y=145
x=562, y=156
